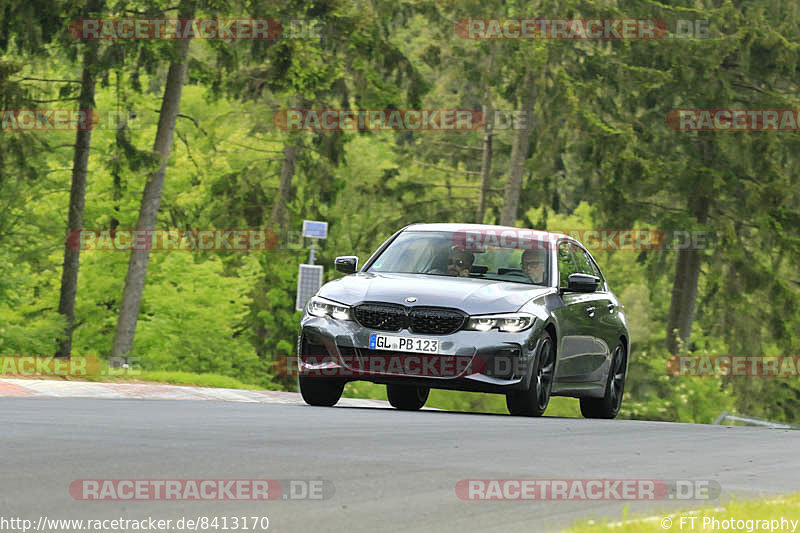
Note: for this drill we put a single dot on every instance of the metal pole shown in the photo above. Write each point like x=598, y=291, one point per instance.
x=311, y=253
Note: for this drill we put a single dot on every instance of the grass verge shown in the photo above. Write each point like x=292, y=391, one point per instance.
x=118, y=375
x=180, y=378
x=748, y=515
x=472, y=402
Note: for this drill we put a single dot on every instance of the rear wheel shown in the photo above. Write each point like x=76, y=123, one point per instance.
x=534, y=401
x=323, y=392
x=608, y=406
x=407, y=397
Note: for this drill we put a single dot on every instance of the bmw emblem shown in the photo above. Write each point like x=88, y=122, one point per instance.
x=411, y=299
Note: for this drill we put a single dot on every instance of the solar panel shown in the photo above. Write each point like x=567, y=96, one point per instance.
x=315, y=229
x=309, y=280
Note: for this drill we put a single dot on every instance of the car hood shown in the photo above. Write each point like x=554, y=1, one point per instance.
x=473, y=296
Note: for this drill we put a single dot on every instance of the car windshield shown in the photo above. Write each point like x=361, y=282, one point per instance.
x=444, y=253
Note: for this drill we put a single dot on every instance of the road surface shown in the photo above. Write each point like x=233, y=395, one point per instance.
x=391, y=470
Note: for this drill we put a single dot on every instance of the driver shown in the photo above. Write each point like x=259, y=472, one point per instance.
x=533, y=263
x=460, y=263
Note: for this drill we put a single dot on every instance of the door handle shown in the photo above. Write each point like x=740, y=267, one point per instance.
x=590, y=310
x=611, y=308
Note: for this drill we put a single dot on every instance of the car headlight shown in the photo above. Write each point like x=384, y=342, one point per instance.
x=509, y=322
x=319, y=306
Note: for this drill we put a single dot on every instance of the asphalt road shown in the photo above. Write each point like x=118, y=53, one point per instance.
x=392, y=470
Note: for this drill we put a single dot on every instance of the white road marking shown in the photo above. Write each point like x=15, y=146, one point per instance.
x=84, y=389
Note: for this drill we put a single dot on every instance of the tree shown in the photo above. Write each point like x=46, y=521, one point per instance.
x=519, y=152
x=77, y=197
x=151, y=197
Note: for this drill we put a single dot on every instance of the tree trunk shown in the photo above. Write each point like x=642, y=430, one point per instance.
x=77, y=195
x=290, y=151
x=687, y=267
x=151, y=198
x=486, y=162
x=486, y=155
x=684, y=294
x=519, y=153
x=116, y=183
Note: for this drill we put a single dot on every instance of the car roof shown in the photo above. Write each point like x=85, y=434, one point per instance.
x=449, y=226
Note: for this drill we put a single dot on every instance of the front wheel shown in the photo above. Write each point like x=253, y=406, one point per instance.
x=608, y=406
x=323, y=392
x=534, y=401
x=407, y=397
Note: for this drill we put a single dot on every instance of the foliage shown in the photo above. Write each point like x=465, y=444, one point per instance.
x=752, y=512
x=601, y=156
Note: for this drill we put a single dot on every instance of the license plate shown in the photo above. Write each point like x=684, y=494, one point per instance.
x=403, y=344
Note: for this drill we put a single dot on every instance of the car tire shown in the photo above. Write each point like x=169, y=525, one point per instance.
x=608, y=406
x=407, y=397
x=322, y=392
x=534, y=401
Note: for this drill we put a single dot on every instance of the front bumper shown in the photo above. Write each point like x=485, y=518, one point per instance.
x=467, y=360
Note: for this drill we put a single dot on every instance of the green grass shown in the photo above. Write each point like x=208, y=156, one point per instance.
x=473, y=402
x=178, y=378
x=103, y=373
x=773, y=508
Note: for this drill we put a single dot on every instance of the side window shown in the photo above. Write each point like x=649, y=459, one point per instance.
x=566, y=265
x=603, y=286
x=593, y=265
x=587, y=265
x=583, y=261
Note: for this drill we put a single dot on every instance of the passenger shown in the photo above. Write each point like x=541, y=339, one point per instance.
x=533, y=264
x=460, y=263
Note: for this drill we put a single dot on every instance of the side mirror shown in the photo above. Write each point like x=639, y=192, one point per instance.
x=582, y=283
x=346, y=264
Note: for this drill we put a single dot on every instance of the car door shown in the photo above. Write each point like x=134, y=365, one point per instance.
x=574, y=323
x=599, y=308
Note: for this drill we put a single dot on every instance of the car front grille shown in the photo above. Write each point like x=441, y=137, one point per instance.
x=394, y=317
x=435, y=320
x=385, y=317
